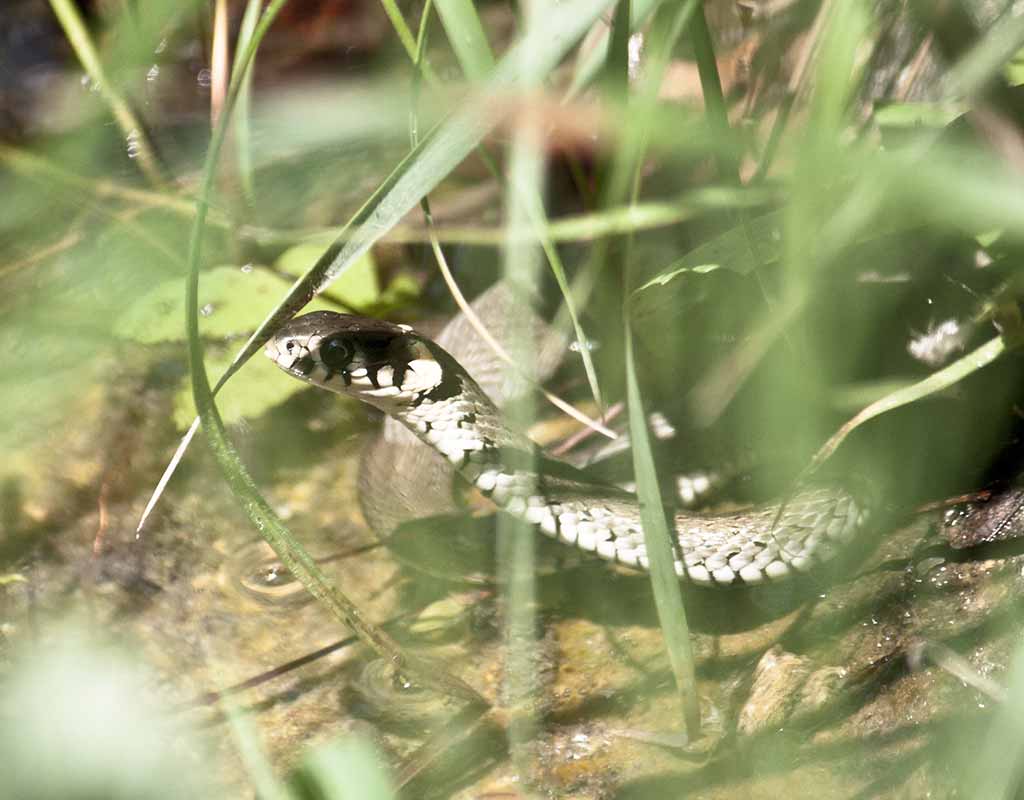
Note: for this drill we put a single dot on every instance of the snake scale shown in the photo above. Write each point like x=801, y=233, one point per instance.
x=415, y=381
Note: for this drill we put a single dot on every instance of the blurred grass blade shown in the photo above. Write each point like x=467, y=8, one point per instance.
x=995, y=771
x=132, y=129
x=837, y=75
x=398, y=23
x=989, y=56
x=936, y=382
x=467, y=38
x=623, y=184
x=440, y=151
x=586, y=227
x=426, y=166
x=350, y=769
x=253, y=755
x=534, y=210
x=466, y=35
x=711, y=88
x=516, y=540
x=593, y=60
x=660, y=553
x=266, y=521
x=243, y=134
x=615, y=75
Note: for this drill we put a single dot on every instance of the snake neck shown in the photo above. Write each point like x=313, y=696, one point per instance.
x=458, y=419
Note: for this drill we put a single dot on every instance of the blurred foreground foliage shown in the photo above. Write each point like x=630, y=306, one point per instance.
x=841, y=218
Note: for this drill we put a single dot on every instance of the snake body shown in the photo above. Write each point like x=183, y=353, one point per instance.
x=415, y=381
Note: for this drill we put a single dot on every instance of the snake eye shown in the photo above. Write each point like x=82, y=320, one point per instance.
x=336, y=353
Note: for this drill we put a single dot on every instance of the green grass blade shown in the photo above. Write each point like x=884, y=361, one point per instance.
x=266, y=521
x=131, y=127
x=425, y=167
x=657, y=538
x=623, y=182
x=936, y=382
x=594, y=60
x=987, y=58
x=467, y=38
x=516, y=540
x=253, y=755
x=243, y=135
x=995, y=771
x=401, y=29
x=616, y=66
x=350, y=769
x=711, y=87
x=534, y=211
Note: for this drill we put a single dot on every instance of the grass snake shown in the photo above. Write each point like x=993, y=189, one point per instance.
x=419, y=384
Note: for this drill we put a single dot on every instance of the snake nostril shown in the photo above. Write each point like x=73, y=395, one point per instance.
x=289, y=345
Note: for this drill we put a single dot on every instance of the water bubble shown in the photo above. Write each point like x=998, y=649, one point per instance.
x=588, y=344
x=634, y=51
x=206, y=310
x=132, y=144
x=204, y=78
x=153, y=74
x=246, y=268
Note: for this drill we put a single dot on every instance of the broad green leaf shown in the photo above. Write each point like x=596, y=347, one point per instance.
x=227, y=297
x=255, y=390
x=356, y=288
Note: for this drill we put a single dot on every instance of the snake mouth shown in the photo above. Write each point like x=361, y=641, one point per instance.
x=292, y=357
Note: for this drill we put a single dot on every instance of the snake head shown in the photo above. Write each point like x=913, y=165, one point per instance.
x=378, y=362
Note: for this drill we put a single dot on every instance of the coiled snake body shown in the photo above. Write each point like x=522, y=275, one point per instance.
x=415, y=381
